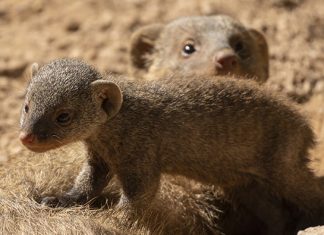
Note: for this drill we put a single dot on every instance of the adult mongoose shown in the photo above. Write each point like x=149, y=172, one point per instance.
x=224, y=131
x=199, y=45
x=204, y=45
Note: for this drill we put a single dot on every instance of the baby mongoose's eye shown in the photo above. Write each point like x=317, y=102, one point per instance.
x=63, y=118
x=26, y=108
x=188, y=49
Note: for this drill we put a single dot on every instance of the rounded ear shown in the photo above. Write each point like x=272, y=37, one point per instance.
x=109, y=95
x=34, y=69
x=262, y=45
x=142, y=46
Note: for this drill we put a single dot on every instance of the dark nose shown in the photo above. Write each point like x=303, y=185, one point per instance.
x=226, y=60
x=26, y=138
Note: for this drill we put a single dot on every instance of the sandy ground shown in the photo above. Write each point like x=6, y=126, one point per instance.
x=99, y=32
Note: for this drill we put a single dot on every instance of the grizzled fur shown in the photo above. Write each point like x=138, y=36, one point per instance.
x=225, y=132
x=156, y=50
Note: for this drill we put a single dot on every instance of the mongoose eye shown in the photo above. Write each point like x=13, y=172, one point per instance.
x=26, y=108
x=188, y=49
x=239, y=46
x=63, y=118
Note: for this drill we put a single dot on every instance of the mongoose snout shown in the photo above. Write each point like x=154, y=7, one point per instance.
x=42, y=134
x=26, y=139
x=38, y=142
x=226, y=61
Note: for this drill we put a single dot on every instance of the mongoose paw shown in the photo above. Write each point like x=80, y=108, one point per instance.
x=64, y=201
x=123, y=201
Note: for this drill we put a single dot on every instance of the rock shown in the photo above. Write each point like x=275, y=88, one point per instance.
x=319, y=230
x=73, y=26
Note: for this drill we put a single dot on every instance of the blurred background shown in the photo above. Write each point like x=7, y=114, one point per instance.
x=99, y=31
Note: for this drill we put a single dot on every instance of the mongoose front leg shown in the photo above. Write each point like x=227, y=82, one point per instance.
x=139, y=186
x=92, y=179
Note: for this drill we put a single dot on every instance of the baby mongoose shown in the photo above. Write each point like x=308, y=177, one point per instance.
x=226, y=132
x=201, y=45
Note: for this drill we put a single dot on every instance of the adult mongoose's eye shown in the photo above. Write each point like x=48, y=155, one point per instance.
x=63, y=118
x=26, y=108
x=188, y=49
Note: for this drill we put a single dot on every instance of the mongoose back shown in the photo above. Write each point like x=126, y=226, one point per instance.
x=200, y=45
x=224, y=131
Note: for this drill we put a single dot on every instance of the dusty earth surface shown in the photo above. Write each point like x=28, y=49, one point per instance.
x=99, y=31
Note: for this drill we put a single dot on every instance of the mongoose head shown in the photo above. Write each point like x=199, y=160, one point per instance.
x=66, y=101
x=201, y=45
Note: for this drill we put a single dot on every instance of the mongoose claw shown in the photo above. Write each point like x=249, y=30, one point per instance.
x=50, y=201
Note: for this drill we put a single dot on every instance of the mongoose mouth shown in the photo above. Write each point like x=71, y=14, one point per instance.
x=31, y=142
x=40, y=148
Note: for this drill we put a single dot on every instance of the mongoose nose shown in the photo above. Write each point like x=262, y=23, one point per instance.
x=26, y=138
x=226, y=60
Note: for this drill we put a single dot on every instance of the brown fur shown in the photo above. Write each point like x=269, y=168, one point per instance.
x=192, y=127
x=156, y=50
